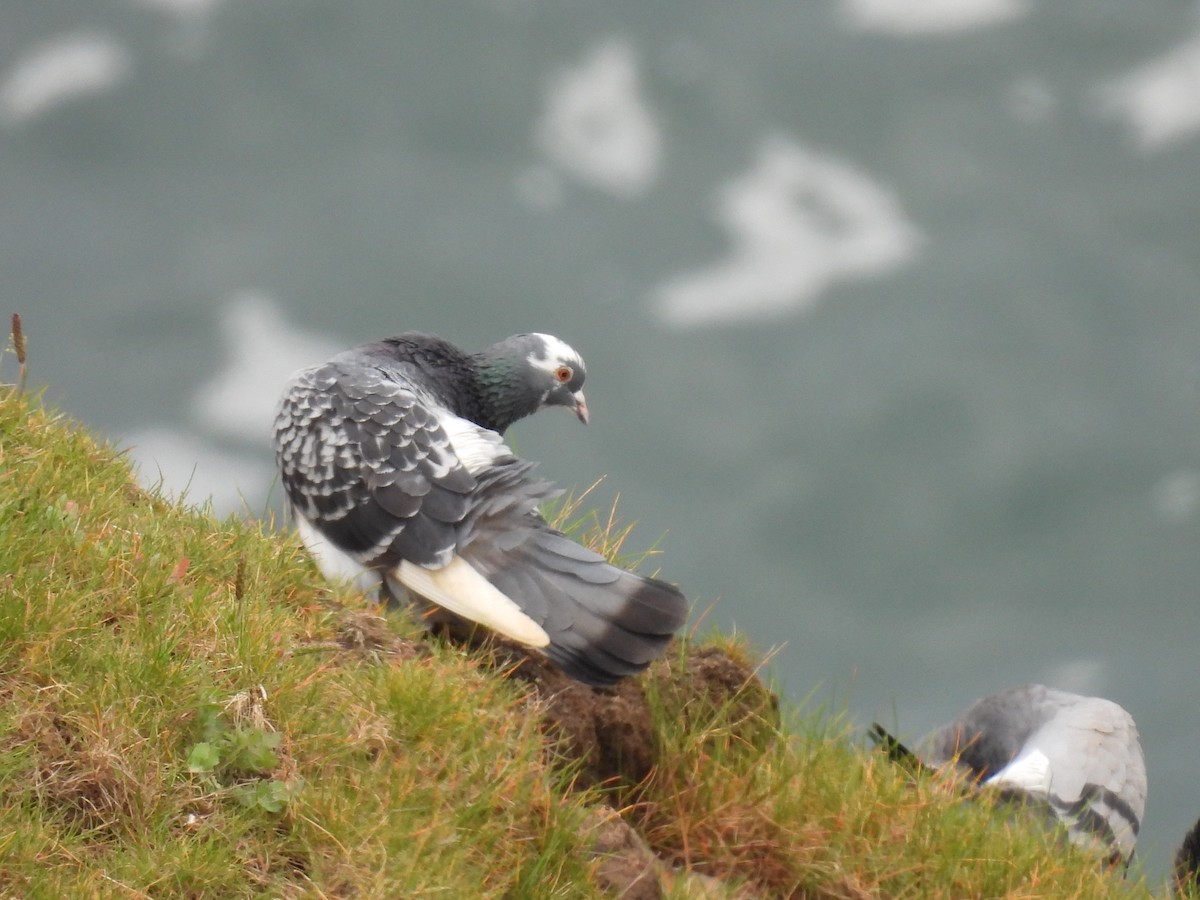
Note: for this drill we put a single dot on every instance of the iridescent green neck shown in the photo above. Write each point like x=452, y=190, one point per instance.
x=505, y=387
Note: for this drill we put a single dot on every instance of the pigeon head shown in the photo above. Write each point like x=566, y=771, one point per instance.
x=527, y=372
x=559, y=372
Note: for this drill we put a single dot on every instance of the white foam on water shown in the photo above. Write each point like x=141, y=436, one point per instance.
x=182, y=8
x=66, y=68
x=799, y=222
x=1158, y=102
x=936, y=17
x=1176, y=497
x=262, y=350
x=597, y=128
x=1080, y=676
x=192, y=24
x=187, y=466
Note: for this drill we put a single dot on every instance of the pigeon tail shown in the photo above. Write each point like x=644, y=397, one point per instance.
x=895, y=749
x=603, y=622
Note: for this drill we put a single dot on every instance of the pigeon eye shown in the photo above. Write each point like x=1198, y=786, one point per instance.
x=563, y=374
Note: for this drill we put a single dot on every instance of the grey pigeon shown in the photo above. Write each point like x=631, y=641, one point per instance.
x=394, y=465
x=1078, y=757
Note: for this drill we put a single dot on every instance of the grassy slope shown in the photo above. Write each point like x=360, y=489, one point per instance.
x=184, y=716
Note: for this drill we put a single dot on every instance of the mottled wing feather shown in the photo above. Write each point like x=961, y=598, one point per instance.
x=365, y=459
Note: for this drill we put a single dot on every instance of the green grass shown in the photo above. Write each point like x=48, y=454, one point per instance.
x=190, y=711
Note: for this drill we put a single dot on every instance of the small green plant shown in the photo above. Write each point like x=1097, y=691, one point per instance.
x=240, y=757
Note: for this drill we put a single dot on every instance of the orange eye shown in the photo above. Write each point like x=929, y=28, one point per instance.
x=563, y=374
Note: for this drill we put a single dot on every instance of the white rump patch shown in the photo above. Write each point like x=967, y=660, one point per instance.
x=459, y=588
x=334, y=563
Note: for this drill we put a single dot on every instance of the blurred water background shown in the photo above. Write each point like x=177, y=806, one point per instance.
x=891, y=308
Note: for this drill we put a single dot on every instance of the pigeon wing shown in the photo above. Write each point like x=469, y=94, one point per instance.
x=1087, y=761
x=381, y=471
x=366, y=462
x=1108, y=795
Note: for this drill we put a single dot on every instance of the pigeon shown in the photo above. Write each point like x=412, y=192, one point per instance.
x=395, y=468
x=1079, y=758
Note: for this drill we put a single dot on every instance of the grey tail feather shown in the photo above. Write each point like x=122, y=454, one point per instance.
x=604, y=622
x=1187, y=863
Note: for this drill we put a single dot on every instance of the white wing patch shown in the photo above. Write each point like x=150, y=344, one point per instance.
x=476, y=448
x=1030, y=771
x=459, y=588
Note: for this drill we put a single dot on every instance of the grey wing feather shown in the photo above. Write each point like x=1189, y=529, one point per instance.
x=1091, y=742
x=364, y=460
x=1099, y=784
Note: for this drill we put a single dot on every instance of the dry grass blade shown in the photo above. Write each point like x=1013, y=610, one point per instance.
x=606, y=536
x=185, y=712
x=18, y=342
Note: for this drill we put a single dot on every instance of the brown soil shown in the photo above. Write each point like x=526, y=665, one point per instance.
x=605, y=734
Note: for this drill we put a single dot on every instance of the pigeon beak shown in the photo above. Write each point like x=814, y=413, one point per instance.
x=581, y=410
